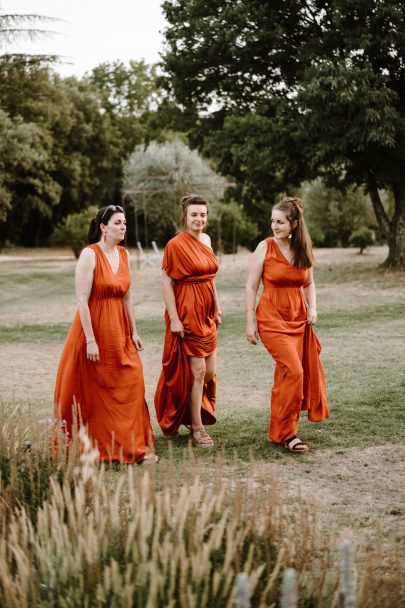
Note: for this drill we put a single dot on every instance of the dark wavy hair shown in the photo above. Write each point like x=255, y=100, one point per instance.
x=191, y=199
x=103, y=217
x=301, y=243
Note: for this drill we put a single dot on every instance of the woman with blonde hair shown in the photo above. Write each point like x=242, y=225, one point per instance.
x=284, y=320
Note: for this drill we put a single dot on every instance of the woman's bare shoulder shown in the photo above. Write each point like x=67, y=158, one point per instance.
x=206, y=239
x=87, y=257
x=262, y=246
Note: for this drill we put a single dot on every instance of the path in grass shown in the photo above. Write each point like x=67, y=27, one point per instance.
x=353, y=475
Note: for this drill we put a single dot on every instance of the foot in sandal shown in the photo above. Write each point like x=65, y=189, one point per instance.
x=150, y=458
x=200, y=437
x=293, y=444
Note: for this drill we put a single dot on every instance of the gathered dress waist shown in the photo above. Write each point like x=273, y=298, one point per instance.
x=193, y=280
x=119, y=299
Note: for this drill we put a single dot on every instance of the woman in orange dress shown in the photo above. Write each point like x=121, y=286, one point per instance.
x=284, y=321
x=100, y=369
x=187, y=385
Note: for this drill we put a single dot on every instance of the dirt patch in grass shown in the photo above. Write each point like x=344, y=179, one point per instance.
x=351, y=489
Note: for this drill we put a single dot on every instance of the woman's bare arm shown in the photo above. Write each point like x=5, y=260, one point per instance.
x=252, y=285
x=83, y=284
x=129, y=307
x=176, y=326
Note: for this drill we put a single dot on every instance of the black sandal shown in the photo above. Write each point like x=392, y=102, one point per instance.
x=296, y=447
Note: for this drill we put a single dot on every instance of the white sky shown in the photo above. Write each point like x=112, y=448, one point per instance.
x=95, y=31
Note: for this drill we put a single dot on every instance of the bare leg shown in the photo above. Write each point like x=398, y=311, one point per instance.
x=198, y=369
x=210, y=367
x=203, y=371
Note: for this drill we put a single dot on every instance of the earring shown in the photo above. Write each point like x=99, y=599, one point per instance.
x=290, y=235
x=105, y=237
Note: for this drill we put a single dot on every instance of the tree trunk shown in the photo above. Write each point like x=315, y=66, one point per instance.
x=393, y=230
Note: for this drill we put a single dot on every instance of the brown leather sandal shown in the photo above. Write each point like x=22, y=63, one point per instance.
x=200, y=438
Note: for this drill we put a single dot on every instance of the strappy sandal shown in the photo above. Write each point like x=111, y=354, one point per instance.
x=293, y=444
x=200, y=438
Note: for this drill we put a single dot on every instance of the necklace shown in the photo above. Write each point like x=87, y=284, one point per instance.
x=285, y=250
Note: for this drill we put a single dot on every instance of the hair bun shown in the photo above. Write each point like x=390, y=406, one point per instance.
x=297, y=202
x=185, y=199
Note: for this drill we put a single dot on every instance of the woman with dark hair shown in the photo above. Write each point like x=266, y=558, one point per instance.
x=100, y=370
x=284, y=321
x=187, y=385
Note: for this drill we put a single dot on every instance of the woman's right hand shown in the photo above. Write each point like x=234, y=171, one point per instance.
x=176, y=327
x=92, y=351
x=252, y=335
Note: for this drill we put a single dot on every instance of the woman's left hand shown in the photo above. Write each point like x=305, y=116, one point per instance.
x=139, y=345
x=311, y=315
x=217, y=318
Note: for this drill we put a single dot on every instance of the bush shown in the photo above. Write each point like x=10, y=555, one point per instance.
x=363, y=237
x=332, y=215
x=229, y=226
x=73, y=229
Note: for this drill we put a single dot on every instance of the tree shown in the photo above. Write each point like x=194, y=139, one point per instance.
x=57, y=151
x=332, y=215
x=19, y=26
x=73, y=230
x=129, y=95
x=157, y=177
x=319, y=86
x=363, y=237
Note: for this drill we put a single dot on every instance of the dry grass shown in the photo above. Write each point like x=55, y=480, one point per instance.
x=73, y=534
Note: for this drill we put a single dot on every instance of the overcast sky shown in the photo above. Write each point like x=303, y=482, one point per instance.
x=94, y=31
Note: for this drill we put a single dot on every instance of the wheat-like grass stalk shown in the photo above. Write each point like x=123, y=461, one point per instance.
x=74, y=534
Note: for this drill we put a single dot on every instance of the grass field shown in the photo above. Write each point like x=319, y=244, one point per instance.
x=353, y=477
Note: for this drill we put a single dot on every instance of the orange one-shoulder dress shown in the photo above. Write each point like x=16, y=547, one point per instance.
x=192, y=265
x=110, y=394
x=299, y=381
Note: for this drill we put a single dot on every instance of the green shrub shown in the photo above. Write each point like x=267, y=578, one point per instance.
x=363, y=237
x=73, y=229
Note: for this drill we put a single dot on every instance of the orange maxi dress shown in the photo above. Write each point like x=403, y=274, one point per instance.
x=192, y=265
x=111, y=393
x=299, y=382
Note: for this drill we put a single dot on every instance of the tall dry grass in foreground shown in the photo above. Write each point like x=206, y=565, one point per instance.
x=73, y=534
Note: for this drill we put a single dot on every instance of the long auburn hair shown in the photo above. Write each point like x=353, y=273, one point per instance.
x=301, y=243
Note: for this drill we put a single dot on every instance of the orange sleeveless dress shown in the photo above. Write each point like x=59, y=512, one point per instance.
x=299, y=382
x=110, y=393
x=192, y=265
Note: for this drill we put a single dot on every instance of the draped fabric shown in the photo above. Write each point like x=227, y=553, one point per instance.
x=299, y=382
x=192, y=266
x=111, y=393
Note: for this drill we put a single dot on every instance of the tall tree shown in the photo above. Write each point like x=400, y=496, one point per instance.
x=15, y=27
x=56, y=145
x=129, y=95
x=298, y=89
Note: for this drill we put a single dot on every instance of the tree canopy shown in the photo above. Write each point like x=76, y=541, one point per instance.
x=62, y=145
x=156, y=177
x=288, y=91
